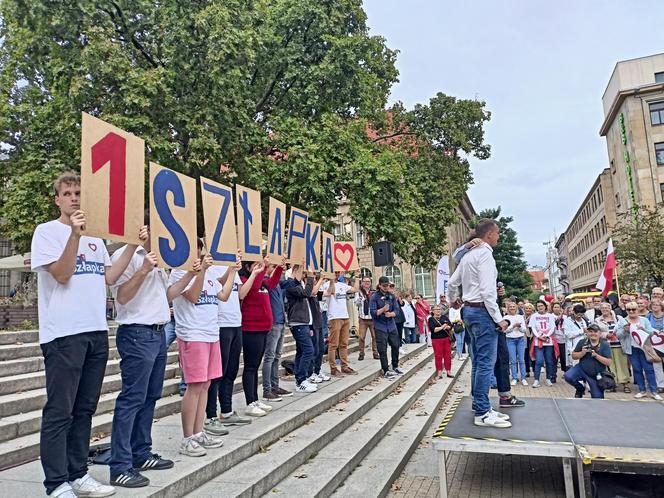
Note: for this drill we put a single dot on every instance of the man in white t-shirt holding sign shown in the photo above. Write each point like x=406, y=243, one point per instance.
x=73, y=271
x=336, y=292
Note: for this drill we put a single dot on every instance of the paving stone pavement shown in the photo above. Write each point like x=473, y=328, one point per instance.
x=477, y=475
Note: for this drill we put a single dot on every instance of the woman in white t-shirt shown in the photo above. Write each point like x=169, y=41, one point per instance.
x=454, y=314
x=195, y=296
x=516, y=343
x=543, y=349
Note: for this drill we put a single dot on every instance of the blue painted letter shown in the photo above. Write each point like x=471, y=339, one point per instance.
x=248, y=218
x=216, y=238
x=167, y=181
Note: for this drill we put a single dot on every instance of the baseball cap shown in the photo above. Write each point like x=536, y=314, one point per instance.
x=383, y=280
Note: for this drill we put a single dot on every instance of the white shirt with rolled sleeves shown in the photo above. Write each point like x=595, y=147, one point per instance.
x=477, y=276
x=150, y=305
x=80, y=304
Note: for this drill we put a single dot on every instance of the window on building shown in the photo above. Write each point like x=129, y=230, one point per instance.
x=338, y=230
x=423, y=282
x=365, y=272
x=394, y=274
x=659, y=153
x=659, y=77
x=657, y=113
x=361, y=239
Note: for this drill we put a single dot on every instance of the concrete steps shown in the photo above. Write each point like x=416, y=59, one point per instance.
x=345, y=429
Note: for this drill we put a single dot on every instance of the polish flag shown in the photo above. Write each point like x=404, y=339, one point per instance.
x=605, y=282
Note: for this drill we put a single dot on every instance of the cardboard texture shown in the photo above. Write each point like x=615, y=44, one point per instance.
x=276, y=228
x=297, y=231
x=219, y=219
x=327, y=252
x=249, y=227
x=345, y=257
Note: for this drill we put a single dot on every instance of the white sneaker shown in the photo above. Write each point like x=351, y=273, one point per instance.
x=190, y=447
x=536, y=383
x=656, y=397
x=549, y=383
x=63, y=491
x=323, y=377
x=491, y=419
x=513, y=382
x=640, y=395
x=207, y=441
x=402, y=351
x=524, y=382
x=498, y=414
x=305, y=387
x=266, y=408
x=313, y=379
x=253, y=410
x=90, y=487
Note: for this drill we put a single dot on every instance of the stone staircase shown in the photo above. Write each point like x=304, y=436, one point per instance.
x=22, y=392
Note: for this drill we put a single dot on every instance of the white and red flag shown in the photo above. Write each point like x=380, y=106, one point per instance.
x=605, y=282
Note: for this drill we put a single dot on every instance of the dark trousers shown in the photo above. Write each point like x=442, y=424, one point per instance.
x=142, y=363
x=563, y=357
x=575, y=377
x=530, y=364
x=230, y=341
x=253, y=347
x=502, y=368
x=545, y=356
x=382, y=340
x=304, y=352
x=319, y=350
x=75, y=367
x=400, y=332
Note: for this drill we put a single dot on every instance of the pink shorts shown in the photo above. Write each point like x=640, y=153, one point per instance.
x=200, y=361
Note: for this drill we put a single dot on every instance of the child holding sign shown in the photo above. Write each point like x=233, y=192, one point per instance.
x=195, y=295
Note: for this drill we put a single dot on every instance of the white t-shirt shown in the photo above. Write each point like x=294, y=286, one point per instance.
x=150, y=305
x=229, y=314
x=543, y=325
x=197, y=322
x=515, y=333
x=80, y=304
x=337, y=304
x=409, y=315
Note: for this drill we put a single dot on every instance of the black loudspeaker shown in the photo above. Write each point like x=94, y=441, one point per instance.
x=383, y=253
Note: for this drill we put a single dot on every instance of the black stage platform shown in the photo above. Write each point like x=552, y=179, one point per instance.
x=627, y=433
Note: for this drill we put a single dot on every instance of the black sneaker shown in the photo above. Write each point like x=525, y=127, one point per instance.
x=155, y=462
x=511, y=402
x=130, y=479
x=579, y=394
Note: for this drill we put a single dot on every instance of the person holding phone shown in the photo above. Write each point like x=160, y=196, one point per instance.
x=516, y=343
x=440, y=328
x=594, y=356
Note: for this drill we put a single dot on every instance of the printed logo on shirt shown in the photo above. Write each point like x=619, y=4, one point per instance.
x=206, y=298
x=542, y=324
x=84, y=267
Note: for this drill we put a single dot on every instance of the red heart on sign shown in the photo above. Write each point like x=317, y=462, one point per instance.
x=92, y=246
x=347, y=253
x=636, y=338
x=657, y=338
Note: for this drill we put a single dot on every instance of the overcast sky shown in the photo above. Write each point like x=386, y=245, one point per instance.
x=542, y=68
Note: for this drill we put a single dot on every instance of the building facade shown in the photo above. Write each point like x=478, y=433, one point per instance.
x=404, y=275
x=563, y=264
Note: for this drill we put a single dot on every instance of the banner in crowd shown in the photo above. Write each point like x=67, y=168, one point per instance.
x=112, y=196
x=639, y=336
x=657, y=340
x=442, y=276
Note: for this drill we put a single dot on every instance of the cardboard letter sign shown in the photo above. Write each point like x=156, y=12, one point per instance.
x=249, y=228
x=345, y=256
x=327, y=268
x=276, y=229
x=297, y=230
x=657, y=340
x=639, y=336
x=112, y=181
x=312, y=240
x=219, y=217
x=173, y=218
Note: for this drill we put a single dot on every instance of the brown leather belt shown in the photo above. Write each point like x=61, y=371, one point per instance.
x=474, y=305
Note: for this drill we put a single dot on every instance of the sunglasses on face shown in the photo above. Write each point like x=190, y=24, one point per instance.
x=632, y=309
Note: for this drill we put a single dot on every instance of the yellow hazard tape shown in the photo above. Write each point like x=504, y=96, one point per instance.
x=588, y=458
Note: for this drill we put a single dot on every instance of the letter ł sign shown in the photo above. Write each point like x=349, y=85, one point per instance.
x=112, y=181
x=345, y=257
x=276, y=228
x=297, y=230
x=173, y=218
x=249, y=227
x=327, y=267
x=312, y=240
x=219, y=217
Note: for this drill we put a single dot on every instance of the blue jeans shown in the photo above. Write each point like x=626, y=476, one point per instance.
x=517, y=348
x=410, y=336
x=484, y=349
x=304, y=352
x=143, y=361
x=318, y=341
x=459, y=342
x=641, y=365
x=575, y=375
x=169, y=334
x=545, y=355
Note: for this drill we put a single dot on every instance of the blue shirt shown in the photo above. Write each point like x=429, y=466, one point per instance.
x=381, y=322
x=277, y=305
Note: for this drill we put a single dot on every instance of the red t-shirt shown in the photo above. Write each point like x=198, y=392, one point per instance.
x=255, y=307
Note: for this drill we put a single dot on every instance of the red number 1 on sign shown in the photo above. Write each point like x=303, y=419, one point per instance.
x=113, y=149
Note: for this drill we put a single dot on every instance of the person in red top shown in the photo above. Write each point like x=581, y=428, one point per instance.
x=256, y=323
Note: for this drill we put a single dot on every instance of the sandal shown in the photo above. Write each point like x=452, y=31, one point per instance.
x=626, y=389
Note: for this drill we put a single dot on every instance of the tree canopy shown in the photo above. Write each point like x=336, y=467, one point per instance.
x=290, y=95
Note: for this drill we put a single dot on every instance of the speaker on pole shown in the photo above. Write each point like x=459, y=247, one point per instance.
x=383, y=253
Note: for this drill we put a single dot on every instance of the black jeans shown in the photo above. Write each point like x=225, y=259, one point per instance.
x=400, y=332
x=530, y=364
x=142, y=351
x=502, y=368
x=230, y=341
x=382, y=339
x=75, y=367
x=563, y=357
x=253, y=347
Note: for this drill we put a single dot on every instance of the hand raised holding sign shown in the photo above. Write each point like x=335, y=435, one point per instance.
x=77, y=220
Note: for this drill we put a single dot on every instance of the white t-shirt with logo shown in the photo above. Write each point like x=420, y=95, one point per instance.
x=543, y=324
x=80, y=304
x=150, y=305
x=337, y=306
x=196, y=322
x=229, y=314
